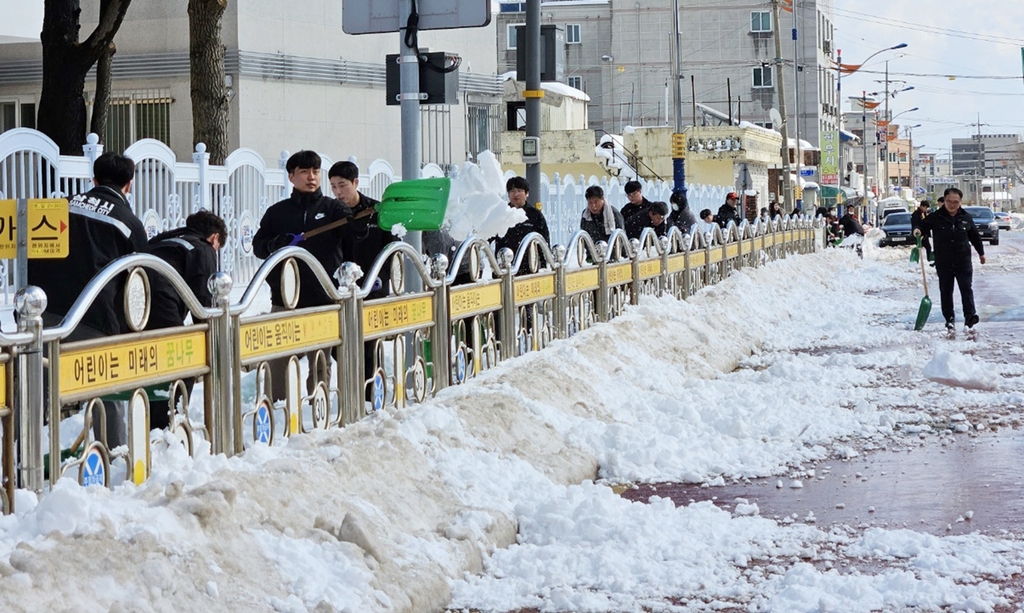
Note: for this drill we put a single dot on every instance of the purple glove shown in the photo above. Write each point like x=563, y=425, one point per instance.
x=296, y=239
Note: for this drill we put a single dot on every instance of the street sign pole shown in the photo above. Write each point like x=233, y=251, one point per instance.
x=533, y=93
x=408, y=56
x=21, y=266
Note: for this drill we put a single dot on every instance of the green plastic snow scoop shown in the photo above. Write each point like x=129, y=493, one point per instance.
x=915, y=253
x=926, y=303
x=418, y=204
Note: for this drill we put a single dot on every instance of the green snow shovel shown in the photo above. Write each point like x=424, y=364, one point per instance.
x=915, y=253
x=926, y=303
x=418, y=204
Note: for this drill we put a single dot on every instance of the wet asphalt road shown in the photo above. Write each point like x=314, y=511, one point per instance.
x=945, y=482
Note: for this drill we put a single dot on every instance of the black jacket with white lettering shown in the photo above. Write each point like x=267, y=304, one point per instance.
x=188, y=252
x=364, y=240
x=101, y=228
x=295, y=215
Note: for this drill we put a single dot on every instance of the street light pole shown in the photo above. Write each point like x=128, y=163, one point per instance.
x=787, y=188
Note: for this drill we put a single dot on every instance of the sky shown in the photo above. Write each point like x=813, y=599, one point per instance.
x=494, y=496
x=978, y=41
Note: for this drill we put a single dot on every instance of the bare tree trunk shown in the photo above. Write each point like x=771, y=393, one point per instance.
x=65, y=64
x=209, y=93
x=101, y=102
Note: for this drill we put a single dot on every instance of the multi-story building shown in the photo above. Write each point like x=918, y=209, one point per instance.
x=984, y=156
x=619, y=53
x=295, y=79
x=866, y=154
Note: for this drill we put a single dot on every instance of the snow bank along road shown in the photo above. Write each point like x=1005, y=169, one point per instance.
x=495, y=495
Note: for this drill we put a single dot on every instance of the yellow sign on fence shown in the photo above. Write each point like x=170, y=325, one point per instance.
x=620, y=273
x=538, y=288
x=97, y=370
x=397, y=315
x=650, y=268
x=581, y=281
x=47, y=228
x=288, y=333
x=462, y=302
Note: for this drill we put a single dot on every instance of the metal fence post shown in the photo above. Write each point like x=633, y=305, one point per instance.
x=561, y=300
x=634, y=261
x=663, y=282
x=202, y=159
x=350, y=380
x=30, y=303
x=441, y=334
x=220, y=390
x=92, y=148
x=507, y=325
x=602, y=277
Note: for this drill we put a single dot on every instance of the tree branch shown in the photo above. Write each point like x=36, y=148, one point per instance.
x=111, y=15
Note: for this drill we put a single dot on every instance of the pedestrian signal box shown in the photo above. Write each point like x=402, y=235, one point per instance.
x=47, y=228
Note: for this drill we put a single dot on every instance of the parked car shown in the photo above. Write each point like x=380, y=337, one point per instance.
x=988, y=227
x=897, y=230
x=1003, y=219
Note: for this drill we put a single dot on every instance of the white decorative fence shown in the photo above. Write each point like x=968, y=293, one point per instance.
x=166, y=191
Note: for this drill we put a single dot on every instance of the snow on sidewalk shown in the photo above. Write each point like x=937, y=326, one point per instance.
x=403, y=510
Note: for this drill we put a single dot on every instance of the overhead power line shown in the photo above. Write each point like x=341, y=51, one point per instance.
x=999, y=40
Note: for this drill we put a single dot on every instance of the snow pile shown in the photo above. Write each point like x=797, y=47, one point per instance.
x=485, y=497
x=475, y=206
x=960, y=370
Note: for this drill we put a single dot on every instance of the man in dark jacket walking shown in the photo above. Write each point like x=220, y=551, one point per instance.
x=101, y=228
x=635, y=195
x=954, y=232
x=518, y=191
x=599, y=219
x=651, y=217
x=192, y=251
x=923, y=208
x=284, y=224
x=727, y=212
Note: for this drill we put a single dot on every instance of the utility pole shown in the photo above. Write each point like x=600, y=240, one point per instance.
x=796, y=96
x=533, y=92
x=787, y=187
x=864, y=122
x=678, y=140
x=409, y=75
x=885, y=145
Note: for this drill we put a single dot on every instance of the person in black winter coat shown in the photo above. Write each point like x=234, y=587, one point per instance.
x=599, y=219
x=285, y=221
x=728, y=212
x=923, y=208
x=363, y=238
x=651, y=217
x=518, y=191
x=681, y=216
x=953, y=232
x=635, y=195
x=192, y=251
x=284, y=224
x=101, y=228
x=850, y=223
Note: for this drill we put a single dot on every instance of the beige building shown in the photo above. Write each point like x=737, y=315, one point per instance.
x=295, y=80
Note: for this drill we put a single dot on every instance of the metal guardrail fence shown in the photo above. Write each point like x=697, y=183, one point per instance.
x=456, y=327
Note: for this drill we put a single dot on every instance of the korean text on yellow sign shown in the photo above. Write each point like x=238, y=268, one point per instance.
x=47, y=228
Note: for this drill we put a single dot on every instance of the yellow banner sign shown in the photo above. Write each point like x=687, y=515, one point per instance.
x=288, y=333
x=47, y=228
x=537, y=288
x=650, y=268
x=789, y=236
x=676, y=262
x=3, y=386
x=715, y=256
x=620, y=273
x=100, y=369
x=473, y=300
x=732, y=250
x=698, y=258
x=397, y=315
x=582, y=281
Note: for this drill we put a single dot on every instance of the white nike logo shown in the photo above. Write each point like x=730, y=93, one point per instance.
x=318, y=216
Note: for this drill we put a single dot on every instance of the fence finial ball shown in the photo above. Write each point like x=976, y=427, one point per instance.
x=200, y=147
x=505, y=257
x=92, y=138
x=220, y=284
x=559, y=252
x=349, y=273
x=30, y=301
x=439, y=266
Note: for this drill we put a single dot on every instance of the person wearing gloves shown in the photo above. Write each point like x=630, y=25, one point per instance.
x=599, y=219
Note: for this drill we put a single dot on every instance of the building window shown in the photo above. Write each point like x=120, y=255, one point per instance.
x=133, y=116
x=576, y=82
x=482, y=122
x=760, y=21
x=763, y=76
x=765, y=124
x=17, y=114
x=572, y=34
x=512, y=38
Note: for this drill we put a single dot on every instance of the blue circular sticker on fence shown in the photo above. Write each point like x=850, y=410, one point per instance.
x=93, y=470
x=378, y=392
x=263, y=426
x=460, y=365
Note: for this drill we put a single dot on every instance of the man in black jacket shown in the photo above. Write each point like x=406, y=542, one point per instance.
x=681, y=215
x=727, y=212
x=101, y=228
x=284, y=224
x=850, y=223
x=923, y=208
x=953, y=231
x=363, y=239
x=651, y=217
x=518, y=191
x=635, y=195
x=599, y=219
x=192, y=251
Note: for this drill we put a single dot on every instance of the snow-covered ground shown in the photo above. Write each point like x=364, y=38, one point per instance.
x=496, y=495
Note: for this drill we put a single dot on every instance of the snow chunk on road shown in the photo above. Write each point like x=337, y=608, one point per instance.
x=960, y=370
